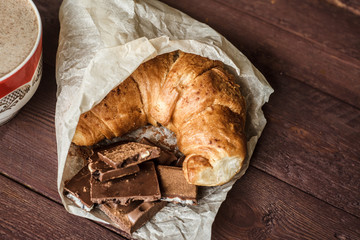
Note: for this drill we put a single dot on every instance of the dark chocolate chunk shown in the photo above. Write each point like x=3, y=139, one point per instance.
x=142, y=185
x=103, y=172
x=179, y=162
x=174, y=187
x=132, y=217
x=128, y=154
x=166, y=157
x=78, y=189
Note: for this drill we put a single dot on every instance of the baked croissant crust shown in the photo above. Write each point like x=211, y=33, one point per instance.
x=194, y=97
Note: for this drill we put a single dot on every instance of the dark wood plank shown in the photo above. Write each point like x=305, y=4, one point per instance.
x=49, y=12
x=27, y=215
x=27, y=143
x=312, y=132
x=328, y=27
x=261, y=207
x=275, y=50
x=349, y=5
x=309, y=143
x=29, y=140
x=35, y=164
x=312, y=142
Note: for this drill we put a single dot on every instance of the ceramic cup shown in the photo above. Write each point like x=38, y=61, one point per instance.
x=20, y=55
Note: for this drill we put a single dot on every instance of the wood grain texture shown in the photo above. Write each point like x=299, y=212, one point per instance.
x=27, y=215
x=328, y=27
x=349, y=5
x=310, y=144
x=27, y=142
x=261, y=207
x=49, y=12
x=28, y=146
x=311, y=141
x=275, y=50
x=286, y=123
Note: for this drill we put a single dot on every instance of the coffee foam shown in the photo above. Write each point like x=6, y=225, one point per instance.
x=18, y=33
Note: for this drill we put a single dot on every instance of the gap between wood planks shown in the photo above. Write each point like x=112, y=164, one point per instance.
x=307, y=193
x=28, y=109
x=51, y=30
x=321, y=91
x=117, y=231
x=274, y=49
x=311, y=142
x=279, y=212
x=267, y=217
x=105, y=226
x=301, y=32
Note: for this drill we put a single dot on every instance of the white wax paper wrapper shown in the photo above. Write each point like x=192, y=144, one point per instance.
x=101, y=43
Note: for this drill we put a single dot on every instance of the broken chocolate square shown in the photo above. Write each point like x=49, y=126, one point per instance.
x=142, y=185
x=103, y=172
x=128, y=154
x=174, y=187
x=77, y=189
x=131, y=217
x=166, y=157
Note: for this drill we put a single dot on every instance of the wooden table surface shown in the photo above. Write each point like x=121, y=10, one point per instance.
x=304, y=178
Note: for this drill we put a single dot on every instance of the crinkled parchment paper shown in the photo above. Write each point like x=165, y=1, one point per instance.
x=101, y=43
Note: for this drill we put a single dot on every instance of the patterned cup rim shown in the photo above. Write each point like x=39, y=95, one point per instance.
x=36, y=45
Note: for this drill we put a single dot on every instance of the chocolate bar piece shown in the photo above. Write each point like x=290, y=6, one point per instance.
x=128, y=154
x=179, y=162
x=103, y=172
x=174, y=187
x=142, y=185
x=166, y=157
x=77, y=189
x=132, y=217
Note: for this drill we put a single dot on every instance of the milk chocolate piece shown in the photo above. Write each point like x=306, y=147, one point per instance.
x=77, y=189
x=174, y=187
x=166, y=157
x=132, y=217
x=128, y=154
x=142, y=185
x=103, y=172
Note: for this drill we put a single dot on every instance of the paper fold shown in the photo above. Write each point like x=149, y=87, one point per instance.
x=101, y=43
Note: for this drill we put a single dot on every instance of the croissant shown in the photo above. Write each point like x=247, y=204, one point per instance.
x=194, y=97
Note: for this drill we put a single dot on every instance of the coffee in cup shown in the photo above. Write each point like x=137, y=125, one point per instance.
x=20, y=55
